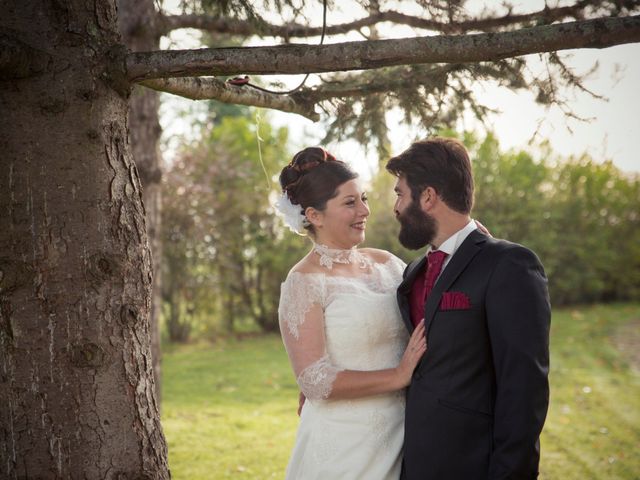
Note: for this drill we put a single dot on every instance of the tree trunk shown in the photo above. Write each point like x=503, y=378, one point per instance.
x=76, y=384
x=137, y=25
x=178, y=328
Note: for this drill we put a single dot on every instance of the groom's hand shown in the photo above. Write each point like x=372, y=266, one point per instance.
x=301, y=400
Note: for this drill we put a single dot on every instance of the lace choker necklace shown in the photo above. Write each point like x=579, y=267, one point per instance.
x=329, y=256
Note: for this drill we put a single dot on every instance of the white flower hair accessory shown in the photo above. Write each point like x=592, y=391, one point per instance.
x=291, y=214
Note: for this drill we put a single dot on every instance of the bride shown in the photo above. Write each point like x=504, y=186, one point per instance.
x=342, y=329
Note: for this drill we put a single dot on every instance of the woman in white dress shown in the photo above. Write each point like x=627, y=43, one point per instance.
x=349, y=350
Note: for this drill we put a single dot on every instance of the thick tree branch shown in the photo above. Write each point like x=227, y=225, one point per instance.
x=487, y=24
x=296, y=59
x=214, y=89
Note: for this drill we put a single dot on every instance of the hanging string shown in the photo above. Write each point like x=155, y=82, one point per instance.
x=241, y=81
x=259, y=139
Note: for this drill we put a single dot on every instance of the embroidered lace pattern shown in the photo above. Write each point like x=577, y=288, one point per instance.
x=327, y=446
x=303, y=300
x=297, y=295
x=317, y=379
x=329, y=256
x=379, y=426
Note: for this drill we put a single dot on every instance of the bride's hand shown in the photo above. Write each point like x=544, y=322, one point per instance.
x=483, y=229
x=412, y=355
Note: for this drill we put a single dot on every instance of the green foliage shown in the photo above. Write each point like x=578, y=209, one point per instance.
x=580, y=216
x=602, y=241
x=229, y=408
x=227, y=253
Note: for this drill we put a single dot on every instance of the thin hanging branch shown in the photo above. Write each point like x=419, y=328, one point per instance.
x=395, y=79
x=297, y=59
x=214, y=89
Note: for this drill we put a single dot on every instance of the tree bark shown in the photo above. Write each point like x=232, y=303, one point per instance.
x=76, y=385
x=136, y=20
x=297, y=59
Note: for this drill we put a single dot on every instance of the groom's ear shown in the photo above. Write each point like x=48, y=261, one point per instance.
x=428, y=199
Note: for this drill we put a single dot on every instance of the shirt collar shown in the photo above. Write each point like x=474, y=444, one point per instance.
x=451, y=244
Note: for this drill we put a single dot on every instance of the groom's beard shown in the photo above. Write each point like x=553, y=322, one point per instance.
x=417, y=228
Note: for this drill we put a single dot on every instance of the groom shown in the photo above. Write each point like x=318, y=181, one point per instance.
x=478, y=399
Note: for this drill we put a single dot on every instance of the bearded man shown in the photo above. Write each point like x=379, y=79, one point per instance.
x=479, y=397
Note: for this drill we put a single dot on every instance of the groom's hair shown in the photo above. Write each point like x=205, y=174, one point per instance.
x=440, y=163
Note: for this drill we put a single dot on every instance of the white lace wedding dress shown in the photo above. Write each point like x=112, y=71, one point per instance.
x=331, y=323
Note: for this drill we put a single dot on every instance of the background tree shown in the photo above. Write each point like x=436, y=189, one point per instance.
x=136, y=21
x=595, y=218
x=226, y=252
x=577, y=214
x=76, y=383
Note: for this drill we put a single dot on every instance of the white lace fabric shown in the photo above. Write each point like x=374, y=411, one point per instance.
x=304, y=299
x=317, y=379
x=329, y=256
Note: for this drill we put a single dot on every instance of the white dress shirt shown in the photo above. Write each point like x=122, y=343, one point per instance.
x=451, y=244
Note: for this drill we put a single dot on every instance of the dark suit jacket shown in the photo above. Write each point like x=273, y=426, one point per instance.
x=478, y=399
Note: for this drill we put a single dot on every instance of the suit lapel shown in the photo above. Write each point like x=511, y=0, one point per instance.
x=461, y=258
x=404, y=290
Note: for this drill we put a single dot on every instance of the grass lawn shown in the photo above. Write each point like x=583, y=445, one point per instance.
x=229, y=408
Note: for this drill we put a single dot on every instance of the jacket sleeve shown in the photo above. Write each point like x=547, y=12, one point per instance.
x=518, y=316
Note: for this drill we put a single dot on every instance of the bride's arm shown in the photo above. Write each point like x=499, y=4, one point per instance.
x=302, y=328
x=354, y=384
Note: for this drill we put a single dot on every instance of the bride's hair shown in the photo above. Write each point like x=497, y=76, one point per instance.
x=312, y=178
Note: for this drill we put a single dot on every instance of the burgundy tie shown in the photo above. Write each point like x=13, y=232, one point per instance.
x=434, y=267
x=420, y=290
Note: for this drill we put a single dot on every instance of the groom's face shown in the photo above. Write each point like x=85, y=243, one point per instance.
x=417, y=228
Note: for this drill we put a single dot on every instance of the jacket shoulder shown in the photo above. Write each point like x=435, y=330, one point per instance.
x=501, y=248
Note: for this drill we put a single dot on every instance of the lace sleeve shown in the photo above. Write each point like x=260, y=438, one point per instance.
x=396, y=266
x=301, y=316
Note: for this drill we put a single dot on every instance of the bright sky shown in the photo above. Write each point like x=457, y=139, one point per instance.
x=613, y=131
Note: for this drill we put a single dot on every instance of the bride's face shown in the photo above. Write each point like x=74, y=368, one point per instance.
x=342, y=223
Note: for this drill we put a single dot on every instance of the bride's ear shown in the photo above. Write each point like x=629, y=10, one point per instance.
x=314, y=216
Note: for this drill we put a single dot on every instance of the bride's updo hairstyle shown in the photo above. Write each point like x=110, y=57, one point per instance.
x=312, y=179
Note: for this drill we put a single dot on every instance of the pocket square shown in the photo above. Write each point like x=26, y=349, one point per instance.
x=454, y=301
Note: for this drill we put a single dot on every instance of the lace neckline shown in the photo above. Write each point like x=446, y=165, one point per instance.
x=329, y=256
